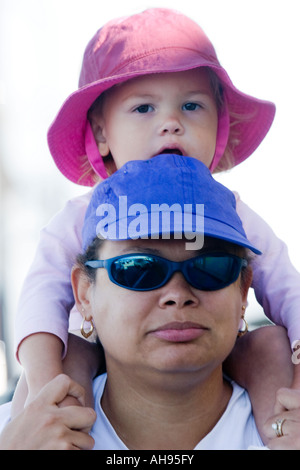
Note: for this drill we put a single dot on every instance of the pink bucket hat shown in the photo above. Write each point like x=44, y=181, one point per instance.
x=155, y=41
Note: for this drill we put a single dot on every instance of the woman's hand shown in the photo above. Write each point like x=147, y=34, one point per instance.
x=287, y=409
x=43, y=425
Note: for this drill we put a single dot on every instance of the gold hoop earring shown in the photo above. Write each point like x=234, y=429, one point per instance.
x=86, y=334
x=246, y=326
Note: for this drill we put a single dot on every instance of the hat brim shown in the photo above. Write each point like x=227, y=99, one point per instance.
x=194, y=227
x=66, y=135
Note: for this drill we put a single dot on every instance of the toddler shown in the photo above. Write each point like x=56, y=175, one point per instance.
x=151, y=84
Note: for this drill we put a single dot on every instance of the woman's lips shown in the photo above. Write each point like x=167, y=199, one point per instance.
x=177, y=332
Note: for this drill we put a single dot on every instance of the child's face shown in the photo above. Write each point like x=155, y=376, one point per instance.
x=160, y=113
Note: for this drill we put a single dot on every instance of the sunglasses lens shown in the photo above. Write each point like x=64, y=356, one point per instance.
x=139, y=272
x=213, y=272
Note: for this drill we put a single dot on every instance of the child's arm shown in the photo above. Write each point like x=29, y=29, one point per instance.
x=275, y=280
x=261, y=363
x=46, y=299
x=277, y=288
x=41, y=356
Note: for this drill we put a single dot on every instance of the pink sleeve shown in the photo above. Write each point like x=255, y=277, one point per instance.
x=275, y=280
x=46, y=297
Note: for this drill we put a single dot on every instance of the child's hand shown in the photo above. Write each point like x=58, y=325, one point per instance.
x=287, y=410
x=44, y=426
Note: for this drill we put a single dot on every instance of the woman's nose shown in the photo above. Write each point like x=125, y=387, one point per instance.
x=178, y=293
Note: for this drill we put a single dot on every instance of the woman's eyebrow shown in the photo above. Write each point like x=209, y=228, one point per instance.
x=140, y=249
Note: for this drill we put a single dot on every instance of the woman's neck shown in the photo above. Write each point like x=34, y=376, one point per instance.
x=175, y=414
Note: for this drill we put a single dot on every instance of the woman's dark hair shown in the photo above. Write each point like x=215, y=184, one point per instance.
x=91, y=253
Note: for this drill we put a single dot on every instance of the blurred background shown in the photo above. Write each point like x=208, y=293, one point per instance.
x=41, y=48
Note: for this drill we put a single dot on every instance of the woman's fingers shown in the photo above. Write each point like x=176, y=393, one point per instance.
x=60, y=387
x=283, y=429
x=77, y=417
x=43, y=425
x=287, y=398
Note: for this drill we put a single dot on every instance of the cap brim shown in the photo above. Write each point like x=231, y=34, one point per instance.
x=133, y=227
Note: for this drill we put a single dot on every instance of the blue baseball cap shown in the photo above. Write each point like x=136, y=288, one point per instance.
x=168, y=194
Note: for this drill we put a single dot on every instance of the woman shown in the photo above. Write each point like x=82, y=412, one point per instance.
x=167, y=311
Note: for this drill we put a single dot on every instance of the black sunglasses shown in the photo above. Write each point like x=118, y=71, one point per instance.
x=143, y=272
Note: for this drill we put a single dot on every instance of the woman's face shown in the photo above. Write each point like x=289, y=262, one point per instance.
x=175, y=328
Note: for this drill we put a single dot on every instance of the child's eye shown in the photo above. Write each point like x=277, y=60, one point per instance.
x=190, y=106
x=144, y=108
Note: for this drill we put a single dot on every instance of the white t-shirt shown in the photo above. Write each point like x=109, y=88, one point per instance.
x=236, y=429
